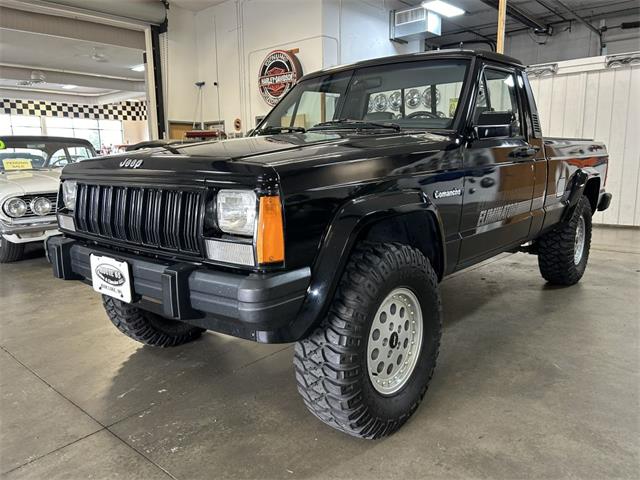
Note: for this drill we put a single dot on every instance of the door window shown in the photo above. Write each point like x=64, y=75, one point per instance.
x=498, y=93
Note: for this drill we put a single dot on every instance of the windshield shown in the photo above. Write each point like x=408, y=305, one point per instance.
x=414, y=95
x=23, y=155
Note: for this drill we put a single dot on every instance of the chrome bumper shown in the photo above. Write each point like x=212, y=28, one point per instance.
x=26, y=225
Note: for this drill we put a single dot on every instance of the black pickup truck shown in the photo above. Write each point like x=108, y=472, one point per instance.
x=333, y=223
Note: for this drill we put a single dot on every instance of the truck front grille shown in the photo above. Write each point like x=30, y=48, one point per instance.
x=146, y=216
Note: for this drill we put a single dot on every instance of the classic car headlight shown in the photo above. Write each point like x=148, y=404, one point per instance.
x=41, y=206
x=15, y=207
x=69, y=189
x=236, y=211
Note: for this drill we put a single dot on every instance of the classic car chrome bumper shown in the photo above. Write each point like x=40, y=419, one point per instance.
x=31, y=225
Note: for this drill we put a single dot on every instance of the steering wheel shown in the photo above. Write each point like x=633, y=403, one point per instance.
x=57, y=161
x=422, y=114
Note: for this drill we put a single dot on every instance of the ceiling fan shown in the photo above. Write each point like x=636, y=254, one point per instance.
x=96, y=55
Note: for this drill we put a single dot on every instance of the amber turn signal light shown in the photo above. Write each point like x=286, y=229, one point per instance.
x=270, y=242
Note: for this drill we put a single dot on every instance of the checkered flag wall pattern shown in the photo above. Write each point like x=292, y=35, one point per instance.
x=111, y=111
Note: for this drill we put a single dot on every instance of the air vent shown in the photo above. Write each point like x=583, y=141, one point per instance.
x=536, y=124
x=408, y=16
x=413, y=24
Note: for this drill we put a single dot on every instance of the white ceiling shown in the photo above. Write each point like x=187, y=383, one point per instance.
x=55, y=88
x=195, y=5
x=49, y=52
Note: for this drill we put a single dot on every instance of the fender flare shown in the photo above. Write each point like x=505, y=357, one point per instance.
x=340, y=238
x=579, y=182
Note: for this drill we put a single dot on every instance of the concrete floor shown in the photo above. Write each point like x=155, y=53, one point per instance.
x=532, y=382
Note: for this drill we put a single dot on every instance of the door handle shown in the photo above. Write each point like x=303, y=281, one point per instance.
x=524, y=152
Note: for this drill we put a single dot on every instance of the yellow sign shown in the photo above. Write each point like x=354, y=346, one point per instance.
x=453, y=104
x=17, y=164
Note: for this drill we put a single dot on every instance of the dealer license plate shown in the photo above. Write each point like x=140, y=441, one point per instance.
x=111, y=277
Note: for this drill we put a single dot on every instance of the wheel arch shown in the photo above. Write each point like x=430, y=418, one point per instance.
x=586, y=181
x=592, y=192
x=371, y=217
x=419, y=229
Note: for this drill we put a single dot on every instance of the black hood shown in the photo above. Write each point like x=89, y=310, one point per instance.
x=237, y=160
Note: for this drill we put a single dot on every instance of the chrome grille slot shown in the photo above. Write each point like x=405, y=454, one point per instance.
x=147, y=216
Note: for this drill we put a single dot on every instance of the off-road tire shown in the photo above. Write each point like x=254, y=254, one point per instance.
x=556, y=248
x=147, y=327
x=331, y=364
x=9, y=251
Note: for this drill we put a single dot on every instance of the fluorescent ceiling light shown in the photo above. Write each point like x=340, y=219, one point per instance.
x=69, y=87
x=138, y=68
x=443, y=8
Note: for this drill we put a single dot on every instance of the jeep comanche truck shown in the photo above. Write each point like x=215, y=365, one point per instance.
x=332, y=224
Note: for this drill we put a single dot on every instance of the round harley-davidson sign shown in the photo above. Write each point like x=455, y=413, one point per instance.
x=278, y=73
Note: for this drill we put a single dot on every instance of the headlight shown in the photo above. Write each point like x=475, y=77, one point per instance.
x=69, y=188
x=41, y=206
x=236, y=211
x=15, y=207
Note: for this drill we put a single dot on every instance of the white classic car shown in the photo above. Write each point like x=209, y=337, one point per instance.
x=29, y=178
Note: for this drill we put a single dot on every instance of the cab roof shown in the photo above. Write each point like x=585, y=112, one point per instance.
x=411, y=57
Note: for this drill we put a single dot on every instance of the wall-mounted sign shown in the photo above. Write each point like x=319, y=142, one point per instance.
x=278, y=73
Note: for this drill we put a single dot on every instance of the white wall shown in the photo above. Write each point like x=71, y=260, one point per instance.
x=579, y=42
x=232, y=39
x=359, y=30
x=180, y=64
x=134, y=131
x=586, y=100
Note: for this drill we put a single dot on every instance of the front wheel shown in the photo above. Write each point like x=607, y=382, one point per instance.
x=367, y=368
x=147, y=327
x=9, y=251
x=564, y=251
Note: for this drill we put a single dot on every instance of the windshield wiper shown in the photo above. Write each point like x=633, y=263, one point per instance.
x=357, y=124
x=171, y=149
x=273, y=129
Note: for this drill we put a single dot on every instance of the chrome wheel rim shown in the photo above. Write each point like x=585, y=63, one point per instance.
x=578, y=248
x=394, y=341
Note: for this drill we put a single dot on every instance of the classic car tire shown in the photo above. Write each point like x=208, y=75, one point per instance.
x=332, y=364
x=146, y=327
x=563, y=252
x=9, y=251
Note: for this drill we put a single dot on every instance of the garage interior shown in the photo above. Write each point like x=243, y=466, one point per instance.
x=533, y=380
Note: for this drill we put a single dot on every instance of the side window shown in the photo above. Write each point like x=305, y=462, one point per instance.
x=498, y=93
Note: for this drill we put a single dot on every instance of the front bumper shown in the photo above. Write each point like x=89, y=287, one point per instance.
x=29, y=229
x=259, y=307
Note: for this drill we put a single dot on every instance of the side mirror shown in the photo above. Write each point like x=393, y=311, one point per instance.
x=494, y=124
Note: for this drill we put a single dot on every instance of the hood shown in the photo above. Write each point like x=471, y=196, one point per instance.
x=27, y=182
x=251, y=156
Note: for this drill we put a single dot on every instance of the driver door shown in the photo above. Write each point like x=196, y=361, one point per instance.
x=499, y=171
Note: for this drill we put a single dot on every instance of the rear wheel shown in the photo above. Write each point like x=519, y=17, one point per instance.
x=9, y=251
x=147, y=327
x=563, y=253
x=367, y=368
